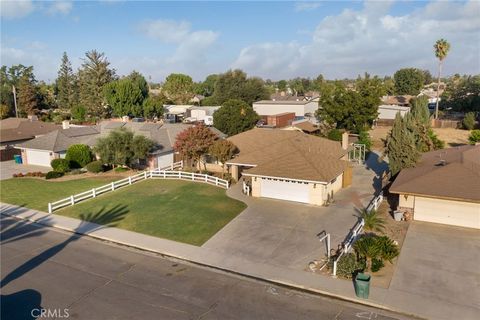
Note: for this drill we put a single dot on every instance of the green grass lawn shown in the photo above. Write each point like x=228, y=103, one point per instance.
x=172, y=209
x=36, y=193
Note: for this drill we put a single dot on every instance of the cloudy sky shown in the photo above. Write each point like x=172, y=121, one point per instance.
x=269, y=39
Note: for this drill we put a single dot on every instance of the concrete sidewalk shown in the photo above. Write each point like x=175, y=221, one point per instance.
x=394, y=300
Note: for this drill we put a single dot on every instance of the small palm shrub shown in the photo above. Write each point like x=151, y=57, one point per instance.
x=373, y=247
x=372, y=219
x=60, y=165
x=377, y=264
x=367, y=248
x=388, y=249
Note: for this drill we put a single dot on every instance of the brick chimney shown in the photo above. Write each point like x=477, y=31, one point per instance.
x=345, y=140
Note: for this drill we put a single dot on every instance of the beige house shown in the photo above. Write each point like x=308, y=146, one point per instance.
x=290, y=165
x=443, y=188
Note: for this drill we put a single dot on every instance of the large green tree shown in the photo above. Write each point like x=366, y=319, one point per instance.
x=139, y=80
x=223, y=150
x=441, y=50
x=207, y=87
x=94, y=74
x=125, y=97
x=235, y=116
x=153, y=106
x=178, y=88
x=10, y=79
x=462, y=94
x=66, y=85
x=234, y=84
x=27, y=95
x=408, y=81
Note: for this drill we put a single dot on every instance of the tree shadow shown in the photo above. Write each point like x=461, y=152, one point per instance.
x=90, y=222
x=19, y=305
x=375, y=163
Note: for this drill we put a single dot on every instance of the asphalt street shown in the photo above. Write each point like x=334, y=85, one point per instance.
x=68, y=276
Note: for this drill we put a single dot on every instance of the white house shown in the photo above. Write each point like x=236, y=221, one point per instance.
x=301, y=108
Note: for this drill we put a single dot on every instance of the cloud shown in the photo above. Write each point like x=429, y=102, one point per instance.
x=374, y=40
x=60, y=7
x=15, y=9
x=306, y=6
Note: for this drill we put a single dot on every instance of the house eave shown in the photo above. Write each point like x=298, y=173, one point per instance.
x=435, y=197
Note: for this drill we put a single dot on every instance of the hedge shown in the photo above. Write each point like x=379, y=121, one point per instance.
x=95, y=166
x=53, y=175
x=79, y=155
x=60, y=165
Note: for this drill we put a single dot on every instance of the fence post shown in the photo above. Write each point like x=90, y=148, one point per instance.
x=206, y=178
x=145, y=174
x=164, y=175
x=72, y=200
x=171, y=166
x=129, y=180
x=179, y=174
x=193, y=176
x=151, y=174
x=227, y=184
x=49, y=208
x=94, y=193
x=334, y=268
x=113, y=186
x=216, y=181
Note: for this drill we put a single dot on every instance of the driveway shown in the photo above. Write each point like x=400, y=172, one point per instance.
x=439, y=263
x=285, y=233
x=8, y=168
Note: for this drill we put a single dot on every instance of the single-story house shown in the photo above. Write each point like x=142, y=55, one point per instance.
x=41, y=151
x=444, y=187
x=301, y=108
x=389, y=108
x=18, y=130
x=290, y=165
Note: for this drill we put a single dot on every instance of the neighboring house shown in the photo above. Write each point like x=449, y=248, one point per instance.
x=301, y=108
x=202, y=114
x=42, y=150
x=306, y=126
x=197, y=99
x=444, y=187
x=290, y=165
x=389, y=108
x=17, y=130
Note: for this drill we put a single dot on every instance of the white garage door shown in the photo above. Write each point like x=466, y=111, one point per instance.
x=285, y=190
x=165, y=160
x=39, y=158
x=456, y=213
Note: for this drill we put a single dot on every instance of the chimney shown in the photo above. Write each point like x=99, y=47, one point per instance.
x=65, y=124
x=345, y=140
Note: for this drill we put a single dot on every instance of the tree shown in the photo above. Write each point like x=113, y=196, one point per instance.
x=367, y=248
x=462, y=94
x=122, y=147
x=235, y=85
x=372, y=220
x=408, y=81
x=78, y=113
x=10, y=79
x=66, y=85
x=4, y=111
x=223, y=150
x=139, y=80
x=441, y=50
x=179, y=88
x=282, y=85
x=94, y=74
x=400, y=147
x=153, y=106
x=235, y=116
x=427, y=76
x=207, y=87
x=194, y=142
x=469, y=121
x=125, y=97
x=27, y=95
x=78, y=155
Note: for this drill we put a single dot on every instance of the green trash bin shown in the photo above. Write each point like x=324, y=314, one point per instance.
x=362, y=285
x=18, y=159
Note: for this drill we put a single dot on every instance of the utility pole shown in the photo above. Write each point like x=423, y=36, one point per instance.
x=15, y=100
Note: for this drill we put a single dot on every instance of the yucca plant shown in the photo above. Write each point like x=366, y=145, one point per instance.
x=373, y=221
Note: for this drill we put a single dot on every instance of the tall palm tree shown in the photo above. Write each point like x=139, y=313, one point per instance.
x=441, y=50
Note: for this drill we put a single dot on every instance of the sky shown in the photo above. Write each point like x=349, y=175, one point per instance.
x=270, y=39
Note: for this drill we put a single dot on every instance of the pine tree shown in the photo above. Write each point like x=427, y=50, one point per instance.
x=27, y=95
x=94, y=74
x=66, y=85
x=401, y=146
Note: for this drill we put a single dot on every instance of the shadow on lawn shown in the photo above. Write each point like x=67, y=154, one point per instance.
x=100, y=219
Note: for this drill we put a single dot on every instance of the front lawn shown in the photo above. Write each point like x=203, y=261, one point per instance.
x=172, y=209
x=37, y=193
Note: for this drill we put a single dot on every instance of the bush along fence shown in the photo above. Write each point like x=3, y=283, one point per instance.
x=356, y=230
x=157, y=173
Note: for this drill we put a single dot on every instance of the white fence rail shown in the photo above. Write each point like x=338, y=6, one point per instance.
x=357, y=229
x=157, y=173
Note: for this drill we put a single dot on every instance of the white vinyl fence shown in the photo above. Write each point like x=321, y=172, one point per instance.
x=157, y=173
x=356, y=230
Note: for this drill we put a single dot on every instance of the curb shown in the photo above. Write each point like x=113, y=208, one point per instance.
x=284, y=284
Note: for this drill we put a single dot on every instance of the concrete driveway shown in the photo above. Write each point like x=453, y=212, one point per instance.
x=439, y=263
x=8, y=168
x=285, y=233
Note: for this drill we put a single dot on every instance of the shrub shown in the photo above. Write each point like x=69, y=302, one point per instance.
x=95, y=166
x=364, y=138
x=469, y=121
x=335, y=135
x=120, y=169
x=388, y=249
x=348, y=265
x=53, y=175
x=437, y=143
x=377, y=264
x=474, y=136
x=79, y=155
x=60, y=165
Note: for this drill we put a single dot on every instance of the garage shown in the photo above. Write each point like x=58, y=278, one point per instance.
x=39, y=158
x=164, y=160
x=456, y=213
x=285, y=190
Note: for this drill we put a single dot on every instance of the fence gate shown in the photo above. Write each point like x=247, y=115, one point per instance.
x=357, y=154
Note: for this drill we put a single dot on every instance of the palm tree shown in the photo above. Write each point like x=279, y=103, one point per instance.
x=441, y=50
x=372, y=221
x=367, y=248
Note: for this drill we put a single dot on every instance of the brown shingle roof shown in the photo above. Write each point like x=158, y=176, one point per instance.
x=17, y=129
x=397, y=100
x=306, y=126
x=289, y=154
x=452, y=173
